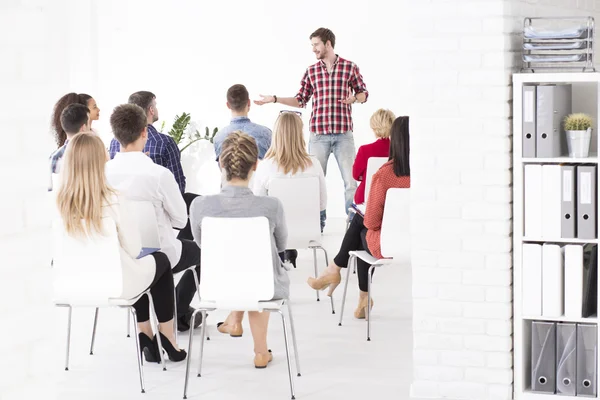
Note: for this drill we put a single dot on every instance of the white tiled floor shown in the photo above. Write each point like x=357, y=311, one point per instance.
x=336, y=362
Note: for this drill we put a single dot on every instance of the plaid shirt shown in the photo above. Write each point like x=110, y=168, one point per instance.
x=329, y=115
x=162, y=150
x=56, y=156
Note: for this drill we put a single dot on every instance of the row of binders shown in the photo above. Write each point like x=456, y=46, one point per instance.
x=563, y=358
x=560, y=281
x=544, y=109
x=560, y=201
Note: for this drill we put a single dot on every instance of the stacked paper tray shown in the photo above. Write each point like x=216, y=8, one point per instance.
x=558, y=43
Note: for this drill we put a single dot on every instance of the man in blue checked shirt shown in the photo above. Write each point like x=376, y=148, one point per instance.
x=161, y=148
x=238, y=101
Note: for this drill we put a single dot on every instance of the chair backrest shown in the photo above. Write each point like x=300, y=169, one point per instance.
x=373, y=165
x=301, y=203
x=87, y=271
x=237, y=261
x=395, y=228
x=147, y=223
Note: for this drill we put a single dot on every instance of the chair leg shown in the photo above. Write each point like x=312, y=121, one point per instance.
x=197, y=279
x=369, y=282
x=351, y=261
x=175, y=315
x=94, y=331
x=137, y=348
x=160, y=347
x=189, y=356
x=202, y=334
x=68, y=338
x=287, y=353
x=293, y=329
x=128, y=324
x=316, y=269
x=327, y=264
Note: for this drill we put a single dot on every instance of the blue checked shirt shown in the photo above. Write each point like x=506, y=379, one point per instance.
x=55, y=159
x=260, y=133
x=162, y=150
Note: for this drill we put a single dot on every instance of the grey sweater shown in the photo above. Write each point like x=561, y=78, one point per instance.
x=240, y=202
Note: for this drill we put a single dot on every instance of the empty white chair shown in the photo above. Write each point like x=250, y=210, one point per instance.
x=301, y=205
x=395, y=243
x=87, y=273
x=240, y=280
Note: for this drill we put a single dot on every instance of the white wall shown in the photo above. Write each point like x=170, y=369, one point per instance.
x=34, y=73
x=196, y=50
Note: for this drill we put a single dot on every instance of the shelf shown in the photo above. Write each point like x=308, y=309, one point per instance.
x=547, y=396
x=560, y=240
x=592, y=159
x=590, y=320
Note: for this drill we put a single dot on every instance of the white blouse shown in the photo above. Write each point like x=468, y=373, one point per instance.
x=268, y=170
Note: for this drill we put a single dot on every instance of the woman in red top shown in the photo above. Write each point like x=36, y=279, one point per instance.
x=381, y=123
x=364, y=232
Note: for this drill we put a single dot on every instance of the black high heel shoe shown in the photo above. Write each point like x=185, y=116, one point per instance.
x=148, y=348
x=291, y=256
x=174, y=355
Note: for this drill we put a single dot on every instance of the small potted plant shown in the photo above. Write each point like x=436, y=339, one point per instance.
x=578, y=128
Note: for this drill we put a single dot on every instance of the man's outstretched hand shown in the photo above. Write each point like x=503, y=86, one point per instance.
x=264, y=100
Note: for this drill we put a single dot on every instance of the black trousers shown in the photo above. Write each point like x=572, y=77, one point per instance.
x=186, y=288
x=186, y=233
x=161, y=290
x=355, y=239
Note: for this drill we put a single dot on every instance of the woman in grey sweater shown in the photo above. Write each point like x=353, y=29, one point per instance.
x=238, y=160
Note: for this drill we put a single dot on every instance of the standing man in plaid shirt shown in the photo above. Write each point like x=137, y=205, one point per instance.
x=334, y=84
x=161, y=148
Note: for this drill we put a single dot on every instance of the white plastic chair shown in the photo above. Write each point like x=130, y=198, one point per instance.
x=395, y=243
x=87, y=273
x=240, y=280
x=301, y=205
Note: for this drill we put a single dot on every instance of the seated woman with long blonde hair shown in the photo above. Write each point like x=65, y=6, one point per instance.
x=287, y=158
x=84, y=202
x=238, y=160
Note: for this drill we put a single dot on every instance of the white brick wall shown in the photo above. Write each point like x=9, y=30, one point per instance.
x=462, y=263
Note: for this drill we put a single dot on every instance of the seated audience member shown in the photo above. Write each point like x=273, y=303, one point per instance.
x=89, y=101
x=381, y=123
x=288, y=158
x=136, y=177
x=73, y=119
x=84, y=201
x=161, y=148
x=364, y=232
x=238, y=162
x=72, y=98
x=238, y=101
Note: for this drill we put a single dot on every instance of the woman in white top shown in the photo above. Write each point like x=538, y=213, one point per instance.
x=287, y=158
x=85, y=203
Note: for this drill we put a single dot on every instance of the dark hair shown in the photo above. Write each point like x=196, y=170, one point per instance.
x=142, y=99
x=400, y=146
x=324, y=34
x=239, y=153
x=127, y=122
x=84, y=98
x=59, y=133
x=73, y=117
x=237, y=97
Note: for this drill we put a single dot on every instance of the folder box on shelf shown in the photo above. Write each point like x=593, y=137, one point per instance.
x=587, y=352
x=553, y=104
x=566, y=359
x=543, y=357
x=586, y=202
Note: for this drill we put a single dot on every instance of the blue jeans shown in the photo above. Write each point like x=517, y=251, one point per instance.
x=342, y=147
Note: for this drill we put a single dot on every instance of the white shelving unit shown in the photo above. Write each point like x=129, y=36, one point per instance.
x=585, y=98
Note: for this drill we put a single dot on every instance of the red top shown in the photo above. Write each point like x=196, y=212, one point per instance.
x=382, y=181
x=379, y=148
x=329, y=114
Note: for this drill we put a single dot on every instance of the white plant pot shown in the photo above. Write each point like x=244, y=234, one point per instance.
x=200, y=168
x=578, y=143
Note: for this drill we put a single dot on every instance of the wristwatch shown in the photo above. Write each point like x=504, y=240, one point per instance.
x=275, y=97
